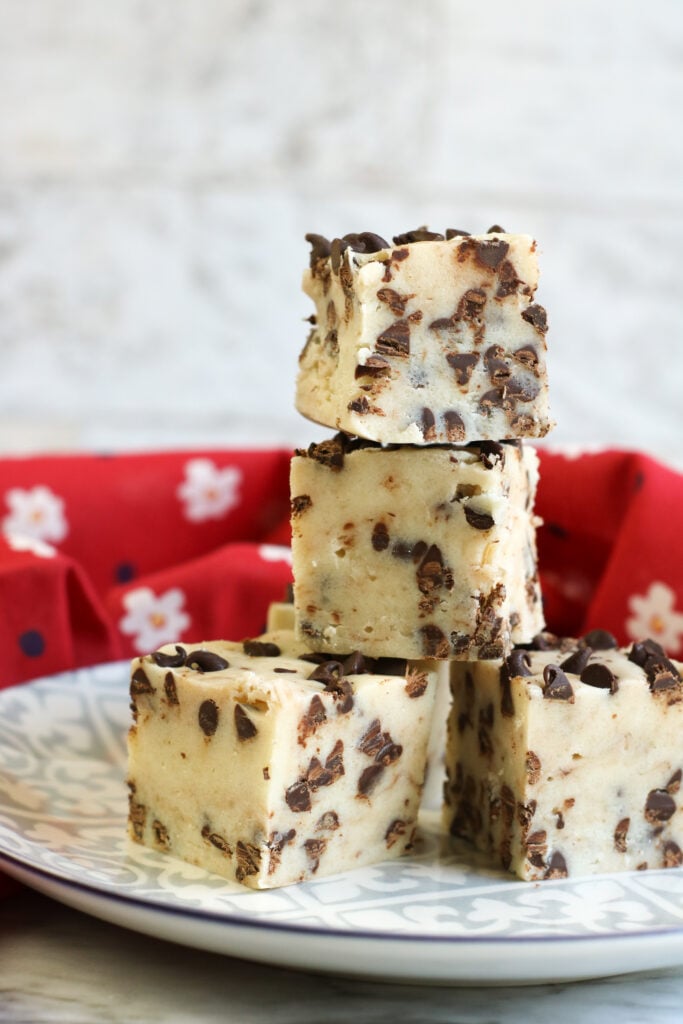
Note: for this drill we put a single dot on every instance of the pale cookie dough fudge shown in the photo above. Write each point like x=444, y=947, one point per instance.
x=432, y=339
x=268, y=769
x=568, y=761
x=415, y=552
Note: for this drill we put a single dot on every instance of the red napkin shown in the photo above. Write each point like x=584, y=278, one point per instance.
x=105, y=557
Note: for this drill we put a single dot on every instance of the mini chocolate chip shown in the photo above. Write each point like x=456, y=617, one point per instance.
x=359, y=405
x=206, y=661
x=527, y=355
x=496, y=229
x=557, y=866
x=374, y=366
x=261, y=649
x=456, y=233
x=674, y=783
x=396, y=303
x=455, y=426
x=518, y=663
x=537, y=317
x=342, y=692
x=428, y=424
x=380, y=536
x=327, y=672
x=599, y=640
x=430, y=572
x=491, y=453
x=596, y=674
x=557, y=686
x=300, y=503
x=477, y=519
x=418, y=235
x=176, y=660
x=395, y=831
x=434, y=642
x=368, y=778
x=208, y=717
x=620, y=835
x=395, y=340
x=490, y=252
x=643, y=650
x=244, y=726
x=673, y=856
x=463, y=364
x=577, y=661
x=170, y=689
x=659, y=806
x=356, y=664
x=320, y=247
x=314, y=717
x=298, y=797
x=248, y=860
x=140, y=684
x=416, y=684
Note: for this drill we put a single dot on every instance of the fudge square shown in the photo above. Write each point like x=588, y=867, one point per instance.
x=432, y=339
x=269, y=769
x=568, y=761
x=415, y=552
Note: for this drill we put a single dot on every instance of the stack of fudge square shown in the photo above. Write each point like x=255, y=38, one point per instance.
x=302, y=752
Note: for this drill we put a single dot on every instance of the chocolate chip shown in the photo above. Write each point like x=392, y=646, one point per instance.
x=674, y=783
x=374, y=366
x=368, y=778
x=620, y=834
x=434, y=642
x=314, y=717
x=216, y=840
x=456, y=233
x=557, y=686
x=557, y=866
x=327, y=822
x=395, y=340
x=508, y=282
x=396, y=303
x=673, y=857
x=428, y=424
x=276, y=844
x=643, y=650
x=300, y=503
x=492, y=399
x=418, y=235
x=497, y=368
x=248, y=860
x=338, y=247
x=577, y=661
x=261, y=649
x=140, y=684
x=596, y=674
x=599, y=640
x=430, y=572
x=463, y=364
x=244, y=726
x=327, y=672
x=518, y=663
x=297, y=797
x=208, y=717
x=359, y=405
x=416, y=684
x=161, y=836
x=170, y=689
x=206, y=661
x=536, y=847
x=491, y=453
x=319, y=775
x=176, y=660
x=320, y=247
x=537, y=317
x=496, y=229
x=490, y=252
x=342, y=694
x=314, y=848
x=395, y=831
x=356, y=664
x=477, y=519
x=137, y=816
x=528, y=356
x=455, y=426
x=659, y=806
x=409, y=552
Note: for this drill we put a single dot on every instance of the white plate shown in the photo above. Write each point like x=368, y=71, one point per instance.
x=437, y=917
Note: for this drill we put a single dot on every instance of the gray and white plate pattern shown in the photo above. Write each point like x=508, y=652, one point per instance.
x=440, y=916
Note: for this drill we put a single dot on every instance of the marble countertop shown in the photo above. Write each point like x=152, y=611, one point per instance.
x=58, y=965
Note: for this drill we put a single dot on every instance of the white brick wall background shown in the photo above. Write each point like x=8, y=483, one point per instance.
x=160, y=162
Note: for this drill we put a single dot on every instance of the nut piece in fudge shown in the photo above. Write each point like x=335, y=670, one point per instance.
x=415, y=552
x=432, y=339
x=567, y=761
x=268, y=769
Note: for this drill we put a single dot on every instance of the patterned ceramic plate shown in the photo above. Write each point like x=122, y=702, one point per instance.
x=436, y=917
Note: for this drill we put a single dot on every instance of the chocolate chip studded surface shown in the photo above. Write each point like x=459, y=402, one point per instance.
x=435, y=337
x=267, y=768
x=416, y=552
x=555, y=791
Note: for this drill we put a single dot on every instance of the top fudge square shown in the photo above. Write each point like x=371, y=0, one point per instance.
x=432, y=340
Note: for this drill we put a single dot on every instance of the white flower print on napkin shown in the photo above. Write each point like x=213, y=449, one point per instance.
x=20, y=542
x=655, y=617
x=208, y=492
x=153, y=620
x=37, y=513
x=275, y=553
